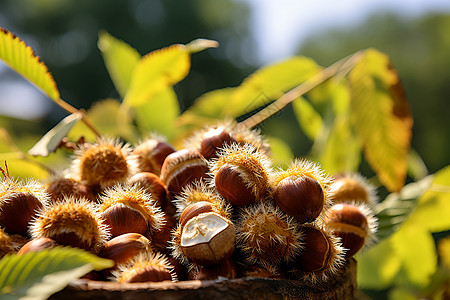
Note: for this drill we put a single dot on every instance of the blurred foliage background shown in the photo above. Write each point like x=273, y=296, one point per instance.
x=64, y=34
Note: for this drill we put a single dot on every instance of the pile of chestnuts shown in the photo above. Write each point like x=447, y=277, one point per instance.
x=216, y=208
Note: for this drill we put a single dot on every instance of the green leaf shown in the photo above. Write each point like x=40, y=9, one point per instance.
x=51, y=140
x=381, y=115
x=341, y=149
x=433, y=209
x=307, y=117
x=378, y=266
x=159, y=114
x=37, y=275
x=415, y=246
x=110, y=118
x=261, y=87
x=207, y=108
x=280, y=152
x=269, y=83
x=411, y=247
x=401, y=294
x=120, y=59
x=20, y=168
x=416, y=166
x=157, y=71
x=333, y=91
x=21, y=58
x=397, y=207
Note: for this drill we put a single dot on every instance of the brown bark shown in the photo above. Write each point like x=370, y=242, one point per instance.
x=341, y=287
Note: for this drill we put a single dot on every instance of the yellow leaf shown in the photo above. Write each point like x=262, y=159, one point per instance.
x=381, y=115
x=155, y=72
x=21, y=58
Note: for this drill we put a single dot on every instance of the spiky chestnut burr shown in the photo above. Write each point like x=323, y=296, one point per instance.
x=267, y=236
x=321, y=257
x=199, y=191
x=160, y=238
x=210, y=139
x=18, y=204
x=128, y=209
x=7, y=244
x=71, y=222
x=150, y=153
x=244, y=135
x=353, y=188
x=354, y=224
x=179, y=269
x=60, y=186
x=300, y=191
x=205, y=239
x=151, y=183
x=182, y=168
x=146, y=267
x=241, y=174
x=102, y=164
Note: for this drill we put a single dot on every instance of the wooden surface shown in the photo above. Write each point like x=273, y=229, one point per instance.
x=341, y=287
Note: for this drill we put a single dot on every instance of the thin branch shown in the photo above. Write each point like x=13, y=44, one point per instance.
x=342, y=66
x=73, y=110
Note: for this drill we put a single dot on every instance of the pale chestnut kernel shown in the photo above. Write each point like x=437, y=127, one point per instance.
x=208, y=239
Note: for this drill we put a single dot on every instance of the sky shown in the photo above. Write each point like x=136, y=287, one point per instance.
x=280, y=26
x=277, y=26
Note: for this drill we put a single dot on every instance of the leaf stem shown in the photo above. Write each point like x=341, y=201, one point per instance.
x=343, y=65
x=73, y=110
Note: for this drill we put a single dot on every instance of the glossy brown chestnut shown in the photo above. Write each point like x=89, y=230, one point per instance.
x=150, y=154
x=124, y=247
x=213, y=140
x=300, y=196
x=151, y=183
x=350, y=224
x=194, y=210
x=37, y=245
x=182, y=168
